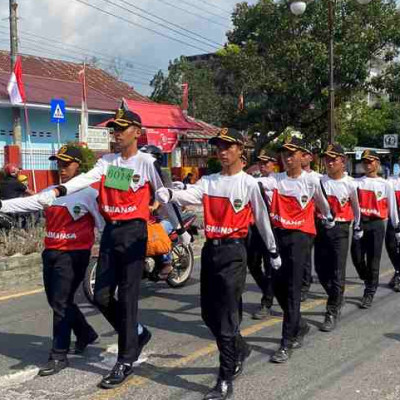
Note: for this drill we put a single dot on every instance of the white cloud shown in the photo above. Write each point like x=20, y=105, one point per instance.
x=76, y=24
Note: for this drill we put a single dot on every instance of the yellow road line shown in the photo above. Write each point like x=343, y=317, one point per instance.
x=21, y=294
x=209, y=349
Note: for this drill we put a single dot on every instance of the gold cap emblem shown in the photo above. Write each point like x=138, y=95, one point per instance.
x=120, y=113
x=223, y=132
x=63, y=150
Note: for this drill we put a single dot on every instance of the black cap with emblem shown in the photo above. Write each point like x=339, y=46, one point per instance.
x=124, y=119
x=370, y=155
x=293, y=143
x=68, y=154
x=266, y=156
x=228, y=135
x=334, y=150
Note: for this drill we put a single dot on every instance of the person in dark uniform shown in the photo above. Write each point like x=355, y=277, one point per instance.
x=10, y=186
x=231, y=201
x=257, y=256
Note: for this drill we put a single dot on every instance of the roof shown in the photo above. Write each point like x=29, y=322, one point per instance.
x=155, y=115
x=204, y=130
x=47, y=78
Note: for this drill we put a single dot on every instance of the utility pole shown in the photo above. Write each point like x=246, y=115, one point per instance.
x=16, y=112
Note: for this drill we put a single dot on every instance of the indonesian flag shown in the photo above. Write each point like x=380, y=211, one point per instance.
x=15, y=87
x=84, y=110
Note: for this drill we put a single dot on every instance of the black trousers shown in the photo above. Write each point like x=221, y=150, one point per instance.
x=222, y=282
x=391, y=247
x=330, y=257
x=287, y=280
x=307, y=274
x=121, y=261
x=257, y=258
x=63, y=271
x=366, y=253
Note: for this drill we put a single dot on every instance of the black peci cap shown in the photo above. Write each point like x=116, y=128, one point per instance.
x=293, y=143
x=124, y=119
x=266, y=156
x=334, y=150
x=228, y=135
x=370, y=155
x=68, y=154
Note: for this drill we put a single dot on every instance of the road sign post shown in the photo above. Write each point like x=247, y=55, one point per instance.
x=57, y=112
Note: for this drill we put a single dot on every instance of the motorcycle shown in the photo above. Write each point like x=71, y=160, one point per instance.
x=182, y=262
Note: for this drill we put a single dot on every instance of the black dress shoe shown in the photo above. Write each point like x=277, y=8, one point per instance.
x=396, y=283
x=143, y=339
x=329, y=324
x=299, y=339
x=117, y=375
x=366, y=301
x=81, y=344
x=222, y=390
x=53, y=367
x=241, y=361
x=281, y=356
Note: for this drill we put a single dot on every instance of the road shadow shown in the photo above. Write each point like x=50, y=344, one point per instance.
x=394, y=336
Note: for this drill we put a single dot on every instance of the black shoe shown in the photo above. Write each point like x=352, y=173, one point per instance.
x=299, y=339
x=117, y=375
x=396, y=283
x=262, y=313
x=240, y=363
x=53, y=367
x=391, y=282
x=281, y=355
x=329, y=324
x=143, y=339
x=366, y=301
x=304, y=296
x=222, y=390
x=81, y=344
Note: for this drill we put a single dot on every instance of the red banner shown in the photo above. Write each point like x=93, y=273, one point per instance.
x=165, y=139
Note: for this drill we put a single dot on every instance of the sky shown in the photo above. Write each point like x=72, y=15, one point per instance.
x=72, y=30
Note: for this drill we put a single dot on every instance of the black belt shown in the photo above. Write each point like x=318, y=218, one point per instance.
x=124, y=222
x=220, y=242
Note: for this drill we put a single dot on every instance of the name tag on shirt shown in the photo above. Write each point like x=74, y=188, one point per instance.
x=118, y=178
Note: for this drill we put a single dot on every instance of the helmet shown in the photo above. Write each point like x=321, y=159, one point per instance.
x=155, y=151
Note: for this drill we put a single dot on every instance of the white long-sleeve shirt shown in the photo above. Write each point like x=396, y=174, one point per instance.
x=115, y=204
x=70, y=221
x=293, y=201
x=343, y=199
x=231, y=204
x=377, y=199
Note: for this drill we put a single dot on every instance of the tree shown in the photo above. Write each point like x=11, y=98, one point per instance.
x=280, y=61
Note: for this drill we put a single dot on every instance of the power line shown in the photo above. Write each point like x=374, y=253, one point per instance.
x=141, y=26
x=129, y=63
x=192, y=13
x=170, y=23
x=85, y=55
x=217, y=7
x=203, y=9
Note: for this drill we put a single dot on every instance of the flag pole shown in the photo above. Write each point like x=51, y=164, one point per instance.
x=28, y=132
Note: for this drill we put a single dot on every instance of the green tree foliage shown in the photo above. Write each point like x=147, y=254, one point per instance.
x=88, y=156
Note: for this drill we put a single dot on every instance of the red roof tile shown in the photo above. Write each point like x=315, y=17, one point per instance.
x=47, y=78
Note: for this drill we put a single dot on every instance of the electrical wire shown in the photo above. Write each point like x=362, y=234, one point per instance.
x=202, y=9
x=142, y=26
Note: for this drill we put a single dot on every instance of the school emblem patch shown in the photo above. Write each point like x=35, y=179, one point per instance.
x=77, y=209
x=237, y=204
x=304, y=199
x=343, y=201
x=135, y=178
x=379, y=195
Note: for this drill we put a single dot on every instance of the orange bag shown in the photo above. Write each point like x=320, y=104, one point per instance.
x=158, y=242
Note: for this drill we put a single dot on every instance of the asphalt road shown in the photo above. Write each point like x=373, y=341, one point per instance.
x=360, y=360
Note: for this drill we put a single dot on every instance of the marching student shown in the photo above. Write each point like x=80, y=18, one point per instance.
x=307, y=277
x=257, y=256
x=392, y=246
x=126, y=181
x=377, y=203
x=70, y=224
x=292, y=214
x=231, y=200
x=332, y=245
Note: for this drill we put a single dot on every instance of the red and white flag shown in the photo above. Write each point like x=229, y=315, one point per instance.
x=15, y=87
x=84, y=110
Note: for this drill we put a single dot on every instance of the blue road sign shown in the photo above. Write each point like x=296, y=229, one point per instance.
x=57, y=110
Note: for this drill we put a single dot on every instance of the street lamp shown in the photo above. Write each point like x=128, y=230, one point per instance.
x=298, y=8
